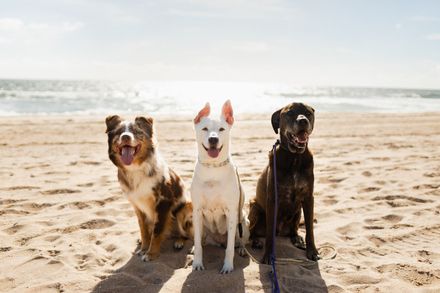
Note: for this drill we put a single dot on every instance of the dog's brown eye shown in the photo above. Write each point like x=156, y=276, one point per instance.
x=221, y=129
x=205, y=129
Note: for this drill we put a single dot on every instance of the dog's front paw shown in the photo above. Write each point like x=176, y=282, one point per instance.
x=312, y=253
x=298, y=242
x=140, y=251
x=149, y=256
x=227, y=268
x=256, y=243
x=178, y=244
x=197, y=266
x=242, y=252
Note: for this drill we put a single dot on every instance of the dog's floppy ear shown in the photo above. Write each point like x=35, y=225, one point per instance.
x=112, y=121
x=146, y=123
x=228, y=113
x=276, y=121
x=203, y=113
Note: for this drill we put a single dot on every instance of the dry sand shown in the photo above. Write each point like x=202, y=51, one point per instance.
x=65, y=227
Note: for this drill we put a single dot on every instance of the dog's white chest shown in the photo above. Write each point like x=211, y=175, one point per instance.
x=142, y=195
x=215, y=194
x=214, y=210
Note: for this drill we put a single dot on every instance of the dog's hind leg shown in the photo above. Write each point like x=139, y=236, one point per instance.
x=244, y=239
x=257, y=224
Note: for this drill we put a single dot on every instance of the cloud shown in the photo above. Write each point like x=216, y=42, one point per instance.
x=14, y=25
x=433, y=37
x=71, y=26
x=422, y=18
x=10, y=24
x=250, y=46
x=233, y=9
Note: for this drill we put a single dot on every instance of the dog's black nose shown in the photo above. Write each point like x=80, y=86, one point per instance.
x=126, y=137
x=213, y=140
x=302, y=121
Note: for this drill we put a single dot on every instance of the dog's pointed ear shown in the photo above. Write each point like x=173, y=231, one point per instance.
x=228, y=112
x=276, y=121
x=146, y=123
x=203, y=113
x=112, y=121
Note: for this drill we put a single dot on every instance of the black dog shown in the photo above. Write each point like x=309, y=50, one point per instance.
x=294, y=166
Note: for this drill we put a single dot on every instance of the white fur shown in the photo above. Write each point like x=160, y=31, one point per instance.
x=215, y=193
x=141, y=192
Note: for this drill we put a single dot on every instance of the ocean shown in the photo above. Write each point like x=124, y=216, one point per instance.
x=57, y=97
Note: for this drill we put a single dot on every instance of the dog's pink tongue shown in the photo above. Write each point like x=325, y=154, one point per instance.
x=127, y=154
x=213, y=152
x=302, y=137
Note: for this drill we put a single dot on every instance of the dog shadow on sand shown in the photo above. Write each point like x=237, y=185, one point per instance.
x=172, y=272
x=299, y=275
x=139, y=276
x=210, y=279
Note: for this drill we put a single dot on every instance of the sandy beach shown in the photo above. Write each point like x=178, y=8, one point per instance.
x=66, y=227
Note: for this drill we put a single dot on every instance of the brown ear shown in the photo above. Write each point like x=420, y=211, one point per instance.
x=228, y=112
x=203, y=113
x=146, y=123
x=112, y=121
x=276, y=120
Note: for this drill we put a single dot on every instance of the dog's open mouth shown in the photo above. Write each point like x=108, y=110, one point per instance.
x=213, y=151
x=299, y=140
x=127, y=153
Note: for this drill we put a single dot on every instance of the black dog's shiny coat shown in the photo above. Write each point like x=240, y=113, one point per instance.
x=295, y=180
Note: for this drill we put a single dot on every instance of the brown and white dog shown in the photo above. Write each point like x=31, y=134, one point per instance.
x=154, y=190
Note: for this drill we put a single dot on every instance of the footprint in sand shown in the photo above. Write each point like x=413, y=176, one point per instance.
x=392, y=218
x=5, y=249
x=402, y=199
x=369, y=189
x=36, y=206
x=59, y=191
x=9, y=201
x=329, y=201
x=350, y=229
x=13, y=212
x=7, y=284
x=367, y=173
x=426, y=186
x=89, y=184
x=21, y=187
x=14, y=229
x=77, y=204
x=97, y=224
x=51, y=238
x=409, y=273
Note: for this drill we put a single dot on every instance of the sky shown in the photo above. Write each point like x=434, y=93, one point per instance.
x=377, y=43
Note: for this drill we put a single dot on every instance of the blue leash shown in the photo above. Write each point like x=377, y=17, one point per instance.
x=275, y=286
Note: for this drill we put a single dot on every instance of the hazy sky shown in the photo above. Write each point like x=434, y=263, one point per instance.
x=339, y=42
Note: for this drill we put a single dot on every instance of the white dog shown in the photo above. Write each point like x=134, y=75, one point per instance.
x=216, y=191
